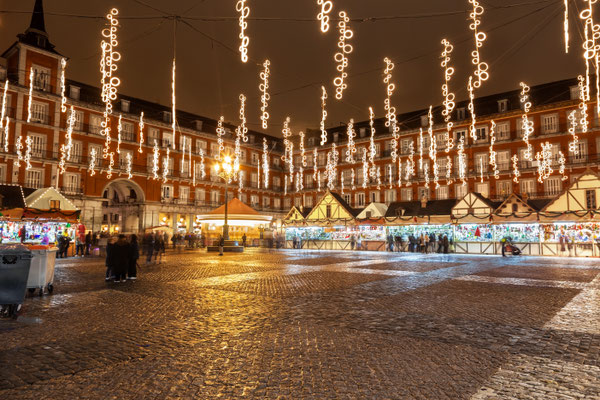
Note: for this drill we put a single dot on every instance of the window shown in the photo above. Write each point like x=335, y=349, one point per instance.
x=277, y=203
x=590, y=199
x=423, y=192
x=581, y=156
x=574, y=92
x=125, y=105
x=481, y=132
x=461, y=190
x=336, y=137
x=347, y=198
x=202, y=146
x=503, y=131
x=503, y=160
x=308, y=201
x=76, y=152
x=277, y=161
x=550, y=123
x=184, y=194
x=362, y=132
x=123, y=159
x=71, y=183
x=167, y=139
x=502, y=105
x=214, y=149
x=405, y=146
x=38, y=145
x=309, y=181
x=242, y=155
x=266, y=202
x=184, y=167
x=442, y=192
x=460, y=134
x=39, y=112
x=424, y=120
x=2, y=175
x=34, y=178
x=441, y=140
x=98, y=149
x=553, y=185
x=166, y=117
x=78, y=125
x=215, y=196
x=153, y=134
x=390, y=196
x=166, y=192
x=374, y=197
x=287, y=203
x=523, y=162
x=74, y=92
x=328, y=211
x=360, y=199
x=461, y=113
x=198, y=171
x=520, y=126
x=254, y=200
x=504, y=188
x=481, y=162
x=95, y=124
x=254, y=179
x=127, y=132
x=483, y=188
x=527, y=186
x=276, y=182
x=406, y=194
x=41, y=78
x=185, y=143
x=255, y=158
x=55, y=204
x=200, y=196
x=321, y=159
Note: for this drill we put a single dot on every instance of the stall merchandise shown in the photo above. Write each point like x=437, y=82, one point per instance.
x=36, y=231
x=474, y=233
x=519, y=233
x=585, y=232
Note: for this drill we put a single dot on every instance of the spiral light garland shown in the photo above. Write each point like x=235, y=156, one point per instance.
x=155, y=161
x=481, y=71
x=165, y=171
x=462, y=164
x=243, y=129
x=323, y=115
x=410, y=163
x=300, y=179
x=591, y=49
x=561, y=163
x=449, y=97
x=544, y=159
x=141, y=128
x=573, y=144
x=378, y=177
x=372, y=147
x=265, y=96
x=584, y=97
x=433, y=148
x=315, y=168
x=129, y=165
x=66, y=147
x=302, y=149
x=350, y=147
x=63, y=86
x=244, y=12
x=471, y=107
x=265, y=161
x=449, y=179
x=391, y=121
x=27, y=157
x=202, y=166
x=526, y=124
x=365, y=169
x=515, y=164
x=92, y=163
x=420, y=148
x=111, y=164
x=108, y=67
x=30, y=99
x=341, y=56
x=19, y=151
x=323, y=15
x=119, y=130
x=288, y=157
x=493, y=153
x=220, y=134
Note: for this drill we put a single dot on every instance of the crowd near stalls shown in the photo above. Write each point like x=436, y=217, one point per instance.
x=566, y=225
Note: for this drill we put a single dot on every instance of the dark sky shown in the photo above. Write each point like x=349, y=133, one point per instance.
x=525, y=43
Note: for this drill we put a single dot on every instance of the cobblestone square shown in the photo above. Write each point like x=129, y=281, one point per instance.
x=295, y=324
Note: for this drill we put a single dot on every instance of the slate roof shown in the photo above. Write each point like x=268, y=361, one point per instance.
x=414, y=209
x=11, y=196
x=353, y=211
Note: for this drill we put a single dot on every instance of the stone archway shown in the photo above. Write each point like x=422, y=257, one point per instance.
x=122, y=205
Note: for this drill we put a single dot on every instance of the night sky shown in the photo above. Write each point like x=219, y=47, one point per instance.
x=525, y=43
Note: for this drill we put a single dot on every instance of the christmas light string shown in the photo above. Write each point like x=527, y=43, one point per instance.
x=420, y=149
x=220, y=134
x=481, y=169
x=561, y=162
x=111, y=163
x=584, y=97
x=566, y=26
x=462, y=165
x=129, y=159
x=590, y=48
x=63, y=86
x=390, y=176
x=3, y=116
x=119, y=130
x=302, y=149
x=18, y=149
x=544, y=160
x=573, y=144
x=449, y=179
x=65, y=148
x=433, y=148
x=480, y=73
x=315, y=167
x=352, y=179
x=165, y=171
x=155, y=161
x=378, y=177
x=526, y=124
x=265, y=161
x=173, y=105
x=27, y=157
x=449, y=97
x=341, y=56
x=92, y=163
x=493, y=153
x=287, y=157
x=323, y=115
x=391, y=121
x=30, y=99
x=244, y=12
x=265, y=96
x=516, y=173
x=6, y=133
x=141, y=128
x=372, y=147
x=323, y=15
x=108, y=67
x=202, y=166
x=471, y=108
x=365, y=169
x=350, y=147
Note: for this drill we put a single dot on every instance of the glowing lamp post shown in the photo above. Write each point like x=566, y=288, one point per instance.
x=226, y=170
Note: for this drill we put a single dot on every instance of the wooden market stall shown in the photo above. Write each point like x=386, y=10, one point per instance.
x=472, y=216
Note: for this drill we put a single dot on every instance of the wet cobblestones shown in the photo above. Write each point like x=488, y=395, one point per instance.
x=315, y=325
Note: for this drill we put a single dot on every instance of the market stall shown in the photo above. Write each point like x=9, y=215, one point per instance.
x=472, y=216
x=370, y=232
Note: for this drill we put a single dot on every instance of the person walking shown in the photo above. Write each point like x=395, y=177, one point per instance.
x=148, y=244
x=79, y=245
x=23, y=234
x=425, y=237
x=221, y=244
x=120, y=257
x=446, y=244
x=88, y=243
x=109, y=260
x=352, y=242
x=134, y=254
x=244, y=240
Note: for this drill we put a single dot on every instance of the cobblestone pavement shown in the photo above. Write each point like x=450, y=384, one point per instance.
x=298, y=324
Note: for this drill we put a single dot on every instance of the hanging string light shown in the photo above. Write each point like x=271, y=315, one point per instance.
x=449, y=179
x=526, y=124
x=323, y=16
x=372, y=147
x=302, y=150
x=108, y=67
x=202, y=167
x=30, y=99
x=590, y=49
x=6, y=127
x=544, y=159
x=300, y=180
x=243, y=128
x=573, y=144
x=194, y=175
x=155, y=161
x=410, y=163
x=166, y=162
x=378, y=178
x=63, y=86
x=3, y=111
x=27, y=157
x=183, y=141
x=471, y=107
x=561, y=162
x=287, y=157
x=173, y=105
x=240, y=178
x=19, y=150
x=516, y=173
x=111, y=163
x=390, y=175
x=399, y=172
x=481, y=169
x=332, y=164
x=462, y=164
x=341, y=56
x=433, y=148
x=365, y=169
x=323, y=115
x=141, y=127
x=65, y=148
x=119, y=130
x=350, y=147
x=315, y=168
x=244, y=12
x=420, y=148
x=426, y=172
x=566, y=26
x=265, y=96
x=92, y=163
x=352, y=179
x=285, y=186
x=391, y=121
x=449, y=97
x=493, y=152
x=319, y=180
x=220, y=134
x=129, y=165
x=481, y=71
x=265, y=160
x=584, y=97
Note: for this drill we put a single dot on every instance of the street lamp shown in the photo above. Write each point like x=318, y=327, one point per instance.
x=226, y=170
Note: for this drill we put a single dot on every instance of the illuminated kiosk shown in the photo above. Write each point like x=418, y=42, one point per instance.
x=239, y=215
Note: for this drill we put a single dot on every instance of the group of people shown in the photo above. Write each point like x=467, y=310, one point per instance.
x=193, y=240
x=154, y=245
x=423, y=243
x=121, y=258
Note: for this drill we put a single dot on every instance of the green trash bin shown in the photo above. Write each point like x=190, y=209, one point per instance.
x=15, y=260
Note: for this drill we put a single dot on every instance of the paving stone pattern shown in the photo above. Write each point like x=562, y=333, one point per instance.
x=302, y=324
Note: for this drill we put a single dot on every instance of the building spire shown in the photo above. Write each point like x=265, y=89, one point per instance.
x=37, y=19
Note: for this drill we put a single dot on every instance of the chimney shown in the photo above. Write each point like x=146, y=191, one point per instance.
x=424, y=202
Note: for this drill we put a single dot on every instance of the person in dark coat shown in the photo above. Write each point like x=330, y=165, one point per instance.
x=88, y=243
x=23, y=234
x=148, y=244
x=109, y=260
x=134, y=254
x=120, y=258
x=446, y=244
